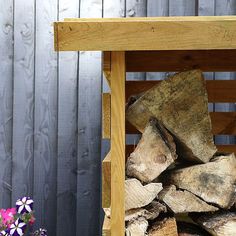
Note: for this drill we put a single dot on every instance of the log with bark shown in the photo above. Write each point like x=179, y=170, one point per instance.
x=188, y=229
x=165, y=227
x=137, y=195
x=219, y=223
x=183, y=201
x=155, y=152
x=137, y=227
x=181, y=104
x=214, y=182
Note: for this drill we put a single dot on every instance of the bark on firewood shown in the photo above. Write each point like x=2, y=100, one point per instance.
x=137, y=227
x=187, y=229
x=150, y=212
x=214, y=182
x=166, y=227
x=137, y=195
x=181, y=104
x=219, y=224
x=183, y=201
x=154, y=153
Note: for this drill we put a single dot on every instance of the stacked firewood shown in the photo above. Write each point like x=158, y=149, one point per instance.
x=176, y=181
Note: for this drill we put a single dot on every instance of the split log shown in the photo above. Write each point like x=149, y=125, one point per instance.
x=187, y=229
x=137, y=195
x=183, y=201
x=150, y=212
x=181, y=104
x=219, y=224
x=137, y=227
x=214, y=182
x=166, y=227
x=154, y=153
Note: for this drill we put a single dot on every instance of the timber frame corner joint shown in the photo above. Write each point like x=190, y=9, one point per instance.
x=156, y=44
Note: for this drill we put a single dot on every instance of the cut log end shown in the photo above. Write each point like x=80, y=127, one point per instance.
x=154, y=153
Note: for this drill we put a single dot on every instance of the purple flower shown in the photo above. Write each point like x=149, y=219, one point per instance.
x=40, y=232
x=24, y=205
x=17, y=228
x=4, y=233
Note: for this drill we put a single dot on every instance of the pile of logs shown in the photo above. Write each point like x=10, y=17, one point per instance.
x=176, y=181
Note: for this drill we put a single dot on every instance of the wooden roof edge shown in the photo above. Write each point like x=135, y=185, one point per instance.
x=146, y=33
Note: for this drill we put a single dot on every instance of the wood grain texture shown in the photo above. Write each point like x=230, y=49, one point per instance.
x=23, y=113
x=106, y=181
x=107, y=66
x=89, y=133
x=106, y=115
x=225, y=8
x=106, y=229
x=46, y=118
x=117, y=143
x=222, y=123
x=220, y=91
x=157, y=8
x=6, y=92
x=221, y=148
x=206, y=60
x=148, y=34
x=136, y=8
x=67, y=132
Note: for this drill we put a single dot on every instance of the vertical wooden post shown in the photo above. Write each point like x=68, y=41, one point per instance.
x=117, y=143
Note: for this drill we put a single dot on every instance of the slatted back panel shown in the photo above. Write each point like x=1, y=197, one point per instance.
x=219, y=91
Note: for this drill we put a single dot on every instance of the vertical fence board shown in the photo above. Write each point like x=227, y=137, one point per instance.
x=67, y=131
x=6, y=80
x=89, y=133
x=136, y=8
x=45, y=145
x=226, y=7
x=182, y=7
x=23, y=113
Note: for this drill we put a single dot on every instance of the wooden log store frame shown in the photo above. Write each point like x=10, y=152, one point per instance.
x=152, y=45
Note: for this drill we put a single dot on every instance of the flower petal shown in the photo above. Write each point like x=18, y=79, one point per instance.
x=20, y=209
x=19, y=231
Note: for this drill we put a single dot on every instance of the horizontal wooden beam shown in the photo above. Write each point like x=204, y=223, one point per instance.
x=221, y=148
x=181, y=60
x=106, y=181
x=218, y=90
x=158, y=33
x=222, y=123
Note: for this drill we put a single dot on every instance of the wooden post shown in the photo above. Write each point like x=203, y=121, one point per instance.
x=117, y=143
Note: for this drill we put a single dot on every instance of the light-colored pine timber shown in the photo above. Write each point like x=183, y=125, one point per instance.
x=106, y=228
x=146, y=34
x=106, y=115
x=106, y=181
x=118, y=143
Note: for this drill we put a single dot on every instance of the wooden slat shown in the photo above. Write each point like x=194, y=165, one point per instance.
x=106, y=228
x=172, y=33
x=106, y=115
x=221, y=148
x=46, y=115
x=23, y=106
x=117, y=143
x=106, y=181
x=222, y=123
x=6, y=95
x=218, y=91
x=67, y=137
x=107, y=66
x=159, y=61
